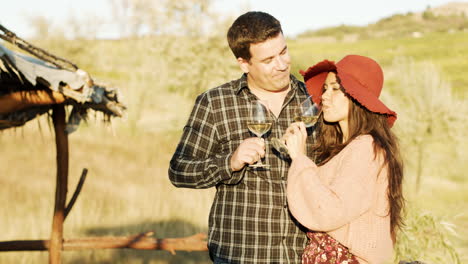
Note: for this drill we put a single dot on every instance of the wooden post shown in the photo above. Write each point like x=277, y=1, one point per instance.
x=61, y=142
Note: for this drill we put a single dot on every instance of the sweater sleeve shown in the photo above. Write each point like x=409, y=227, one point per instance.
x=326, y=207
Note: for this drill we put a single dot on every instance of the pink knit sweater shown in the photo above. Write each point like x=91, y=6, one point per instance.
x=347, y=198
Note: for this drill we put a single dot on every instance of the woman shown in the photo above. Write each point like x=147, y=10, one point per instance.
x=351, y=199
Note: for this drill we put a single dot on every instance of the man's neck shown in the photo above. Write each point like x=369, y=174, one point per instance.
x=275, y=99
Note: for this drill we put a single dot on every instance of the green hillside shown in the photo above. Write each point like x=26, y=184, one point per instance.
x=128, y=191
x=451, y=17
x=448, y=51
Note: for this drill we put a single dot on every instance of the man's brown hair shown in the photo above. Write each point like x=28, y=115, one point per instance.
x=251, y=28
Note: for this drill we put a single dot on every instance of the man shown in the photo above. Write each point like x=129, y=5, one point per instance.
x=249, y=220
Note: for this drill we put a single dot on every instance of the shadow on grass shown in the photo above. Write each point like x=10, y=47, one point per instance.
x=162, y=229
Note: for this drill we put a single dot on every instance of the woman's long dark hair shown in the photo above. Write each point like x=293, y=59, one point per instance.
x=361, y=121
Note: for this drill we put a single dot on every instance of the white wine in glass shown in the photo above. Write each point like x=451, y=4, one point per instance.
x=259, y=128
x=308, y=120
x=259, y=123
x=308, y=112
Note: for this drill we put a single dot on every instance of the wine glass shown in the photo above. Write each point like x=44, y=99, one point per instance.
x=308, y=112
x=259, y=123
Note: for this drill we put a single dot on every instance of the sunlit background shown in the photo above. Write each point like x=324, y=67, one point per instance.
x=161, y=54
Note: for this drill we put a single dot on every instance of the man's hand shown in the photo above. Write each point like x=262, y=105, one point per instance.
x=248, y=152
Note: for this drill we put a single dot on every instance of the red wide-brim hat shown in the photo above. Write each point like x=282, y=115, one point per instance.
x=361, y=77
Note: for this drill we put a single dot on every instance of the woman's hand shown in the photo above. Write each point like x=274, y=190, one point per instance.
x=295, y=139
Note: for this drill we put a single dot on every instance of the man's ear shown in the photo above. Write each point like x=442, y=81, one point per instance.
x=243, y=64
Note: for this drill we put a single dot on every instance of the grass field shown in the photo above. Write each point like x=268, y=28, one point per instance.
x=128, y=191
x=446, y=50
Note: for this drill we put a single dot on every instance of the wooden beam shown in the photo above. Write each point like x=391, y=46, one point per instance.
x=76, y=193
x=144, y=241
x=20, y=100
x=61, y=141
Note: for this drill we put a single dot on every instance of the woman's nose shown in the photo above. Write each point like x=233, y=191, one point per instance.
x=325, y=95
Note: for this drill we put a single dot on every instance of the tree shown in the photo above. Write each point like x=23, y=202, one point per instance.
x=431, y=120
x=86, y=26
x=157, y=17
x=41, y=26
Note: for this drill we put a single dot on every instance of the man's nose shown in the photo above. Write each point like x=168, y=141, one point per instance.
x=281, y=63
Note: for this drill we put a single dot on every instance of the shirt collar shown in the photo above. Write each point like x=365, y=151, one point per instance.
x=295, y=84
x=242, y=83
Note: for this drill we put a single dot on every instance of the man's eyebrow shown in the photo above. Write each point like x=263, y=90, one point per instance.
x=271, y=57
x=285, y=48
x=267, y=58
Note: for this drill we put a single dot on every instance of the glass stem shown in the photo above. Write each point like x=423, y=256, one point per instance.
x=259, y=162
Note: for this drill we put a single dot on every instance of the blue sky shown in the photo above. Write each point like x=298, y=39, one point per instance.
x=296, y=16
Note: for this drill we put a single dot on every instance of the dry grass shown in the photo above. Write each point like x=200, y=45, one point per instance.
x=128, y=191
x=431, y=128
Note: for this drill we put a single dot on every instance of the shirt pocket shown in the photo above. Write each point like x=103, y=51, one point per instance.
x=256, y=179
x=231, y=134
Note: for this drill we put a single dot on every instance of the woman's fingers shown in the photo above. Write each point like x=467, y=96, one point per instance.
x=295, y=138
x=293, y=127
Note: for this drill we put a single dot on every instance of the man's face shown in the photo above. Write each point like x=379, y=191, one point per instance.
x=270, y=65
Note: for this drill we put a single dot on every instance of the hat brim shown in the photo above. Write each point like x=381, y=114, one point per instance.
x=362, y=94
x=315, y=77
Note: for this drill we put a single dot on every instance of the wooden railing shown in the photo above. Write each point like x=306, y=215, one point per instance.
x=56, y=244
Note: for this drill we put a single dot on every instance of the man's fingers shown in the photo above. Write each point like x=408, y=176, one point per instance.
x=250, y=157
x=258, y=152
x=259, y=141
x=248, y=160
x=257, y=144
x=249, y=151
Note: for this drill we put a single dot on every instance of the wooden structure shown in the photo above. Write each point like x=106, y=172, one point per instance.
x=30, y=87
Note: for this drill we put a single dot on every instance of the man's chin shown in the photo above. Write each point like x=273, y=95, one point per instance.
x=283, y=84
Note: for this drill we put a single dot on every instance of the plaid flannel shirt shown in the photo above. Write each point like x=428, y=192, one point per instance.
x=249, y=220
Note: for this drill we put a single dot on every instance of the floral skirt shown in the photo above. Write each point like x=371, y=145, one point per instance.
x=322, y=248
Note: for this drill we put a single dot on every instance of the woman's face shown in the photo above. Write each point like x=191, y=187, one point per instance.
x=335, y=104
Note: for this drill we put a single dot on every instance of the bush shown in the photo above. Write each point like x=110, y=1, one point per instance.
x=426, y=238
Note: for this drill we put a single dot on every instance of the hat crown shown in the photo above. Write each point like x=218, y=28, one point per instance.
x=361, y=77
x=364, y=70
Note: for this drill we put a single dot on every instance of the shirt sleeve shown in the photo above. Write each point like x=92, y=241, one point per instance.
x=325, y=207
x=197, y=162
